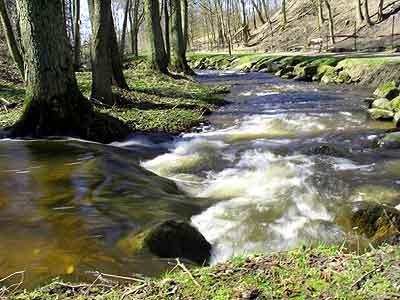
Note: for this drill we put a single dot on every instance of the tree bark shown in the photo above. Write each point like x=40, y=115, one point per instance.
x=331, y=22
x=102, y=71
x=284, y=17
x=366, y=13
x=245, y=24
x=159, y=59
x=77, y=34
x=259, y=12
x=10, y=39
x=124, y=27
x=53, y=104
x=360, y=16
x=179, y=62
x=166, y=29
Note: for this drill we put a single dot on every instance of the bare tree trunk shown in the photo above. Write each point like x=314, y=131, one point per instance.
x=102, y=71
x=321, y=19
x=245, y=23
x=366, y=13
x=124, y=28
x=159, y=57
x=331, y=22
x=258, y=10
x=380, y=10
x=166, y=28
x=53, y=104
x=77, y=34
x=360, y=16
x=179, y=61
x=11, y=40
x=284, y=17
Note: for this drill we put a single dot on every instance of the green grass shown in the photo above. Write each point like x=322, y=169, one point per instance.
x=322, y=272
x=154, y=103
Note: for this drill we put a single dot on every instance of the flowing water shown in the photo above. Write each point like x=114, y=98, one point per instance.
x=253, y=180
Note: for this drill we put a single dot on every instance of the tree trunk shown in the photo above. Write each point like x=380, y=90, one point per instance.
x=134, y=19
x=179, y=62
x=124, y=28
x=380, y=10
x=102, y=71
x=321, y=19
x=77, y=34
x=166, y=29
x=245, y=24
x=366, y=13
x=159, y=59
x=185, y=22
x=258, y=10
x=331, y=22
x=360, y=16
x=284, y=17
x=10, y=39
x=53, y=104
x=118, y=74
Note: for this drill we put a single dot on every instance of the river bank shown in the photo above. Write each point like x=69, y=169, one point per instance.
x=305, y=273
x=155, y=103
x=362, y=69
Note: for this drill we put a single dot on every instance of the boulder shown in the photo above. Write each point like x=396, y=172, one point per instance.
x=396, y=119
x=395, y=104
x=329, y=75
x=377, y=222
x=388, y=90
x=178, y=239
x=382, y=103
x=380, y=114
x=305, y=72
x=169, y=239
x=390, y=140
x=343, y=77
x=328, y=149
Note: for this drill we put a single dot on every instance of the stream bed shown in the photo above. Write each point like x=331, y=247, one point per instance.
x=274, y=169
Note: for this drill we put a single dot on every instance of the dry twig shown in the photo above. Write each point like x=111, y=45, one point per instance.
x=183, y=267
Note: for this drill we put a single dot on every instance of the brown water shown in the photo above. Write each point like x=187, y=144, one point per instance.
x=250, y=182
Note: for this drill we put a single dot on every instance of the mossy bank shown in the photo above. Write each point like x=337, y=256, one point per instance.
x=326, y=68
x=305, y=273
x=154, y=102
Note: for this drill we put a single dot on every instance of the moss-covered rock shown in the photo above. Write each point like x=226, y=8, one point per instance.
x=377, y=222
x=179, y=239
x=395, y=104
x=396, y=119
x=169, y=239
x=381, y=114
x=388, y=90
x=329, y=75
x=390, y=140
x=305, y=71
x=381, y=103
x=343, y=77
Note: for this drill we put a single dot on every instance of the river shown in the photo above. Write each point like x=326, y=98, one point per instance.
x=274, y=169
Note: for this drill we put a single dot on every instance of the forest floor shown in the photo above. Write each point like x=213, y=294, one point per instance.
x=154, y=103
x=305, y=273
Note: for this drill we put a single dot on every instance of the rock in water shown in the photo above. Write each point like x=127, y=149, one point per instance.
x=388, y=90
x=178, y=239
x=380, y=223
x=381, y=114
x=390, y=140
x=381, y=103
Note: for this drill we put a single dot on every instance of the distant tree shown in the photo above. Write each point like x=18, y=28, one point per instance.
x=159, y=58
x=179, y=61
x=77, y=34
x=10, y=38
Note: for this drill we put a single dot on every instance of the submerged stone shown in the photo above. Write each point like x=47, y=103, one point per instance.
x=388, y=90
